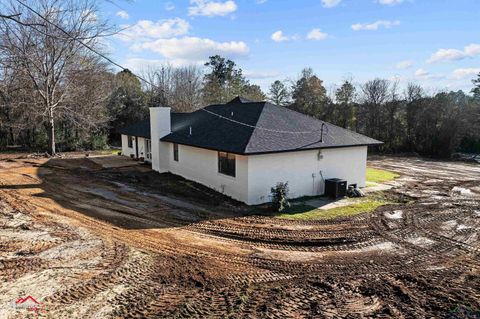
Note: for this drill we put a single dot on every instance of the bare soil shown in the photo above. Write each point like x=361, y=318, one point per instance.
x=94, y=242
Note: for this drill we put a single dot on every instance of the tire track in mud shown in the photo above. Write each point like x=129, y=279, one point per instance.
x=370, y=265
x=110, y=274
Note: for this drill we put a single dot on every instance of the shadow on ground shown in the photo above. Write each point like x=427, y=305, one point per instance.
x=131, y=197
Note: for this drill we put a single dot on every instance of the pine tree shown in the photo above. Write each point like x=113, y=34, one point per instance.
x=279, y=94
x=309, y=94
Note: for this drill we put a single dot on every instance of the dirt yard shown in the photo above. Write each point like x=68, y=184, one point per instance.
x=93, y=242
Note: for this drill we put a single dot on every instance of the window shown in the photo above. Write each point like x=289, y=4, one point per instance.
x=226, y=163
x=175, y=152
x=130, y=141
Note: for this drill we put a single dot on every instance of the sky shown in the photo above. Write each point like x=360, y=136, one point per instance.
x=435, y=43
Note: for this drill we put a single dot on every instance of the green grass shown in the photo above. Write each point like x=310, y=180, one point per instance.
x=111, y=151
x=306, y=212
x=368, y=204
x=380, y=176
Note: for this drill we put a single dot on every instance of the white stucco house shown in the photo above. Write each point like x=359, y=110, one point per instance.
x=243, y=148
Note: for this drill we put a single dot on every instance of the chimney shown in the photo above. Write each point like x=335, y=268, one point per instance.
x=160, y=126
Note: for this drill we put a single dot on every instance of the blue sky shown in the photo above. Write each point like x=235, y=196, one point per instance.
x=432, y=42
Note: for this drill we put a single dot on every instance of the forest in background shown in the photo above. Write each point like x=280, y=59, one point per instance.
x=58, y=94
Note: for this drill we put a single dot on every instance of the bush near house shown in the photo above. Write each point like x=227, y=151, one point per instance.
x=279, y=195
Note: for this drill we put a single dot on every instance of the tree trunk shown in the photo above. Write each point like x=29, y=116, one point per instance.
x=51, y=133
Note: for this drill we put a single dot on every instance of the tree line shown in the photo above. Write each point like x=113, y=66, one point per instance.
x=57, y=91
x=406, y=120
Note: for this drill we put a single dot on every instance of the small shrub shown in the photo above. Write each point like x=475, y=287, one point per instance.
x=279, y=195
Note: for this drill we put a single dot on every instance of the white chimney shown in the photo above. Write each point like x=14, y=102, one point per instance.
x=160, y=126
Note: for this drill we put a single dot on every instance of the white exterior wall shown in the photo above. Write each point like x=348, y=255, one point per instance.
x=159, y=127
x=201, y=165
x=127, y=151
x=141, y=147
x=304, y=171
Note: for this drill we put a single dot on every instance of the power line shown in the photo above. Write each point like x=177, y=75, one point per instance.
x=81, y=42
x=257, y=127
x=148, y=82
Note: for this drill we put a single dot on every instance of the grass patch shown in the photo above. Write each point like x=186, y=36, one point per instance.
x=110, y=151
x=306, y=212
x=379, y=176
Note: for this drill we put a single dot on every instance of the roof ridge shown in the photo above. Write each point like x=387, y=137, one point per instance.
x=255, y=126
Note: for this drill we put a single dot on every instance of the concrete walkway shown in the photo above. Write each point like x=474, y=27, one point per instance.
x=325, y=203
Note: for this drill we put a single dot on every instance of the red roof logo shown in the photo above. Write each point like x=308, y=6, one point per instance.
x=28, y=298
x=28, y=303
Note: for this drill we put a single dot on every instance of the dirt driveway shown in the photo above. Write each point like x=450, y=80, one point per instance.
x=90, y=242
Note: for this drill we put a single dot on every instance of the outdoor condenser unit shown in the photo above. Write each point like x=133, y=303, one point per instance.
x=335, y=187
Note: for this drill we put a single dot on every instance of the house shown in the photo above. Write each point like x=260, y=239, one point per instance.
x=243, y=148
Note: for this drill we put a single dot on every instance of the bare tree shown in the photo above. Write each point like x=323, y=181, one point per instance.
x=47, y=47
x=413, y=92
x=375, y=95
x=180, y=88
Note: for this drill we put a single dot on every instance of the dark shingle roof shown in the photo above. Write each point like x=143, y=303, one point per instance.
x=142, y=128
x=265, y=132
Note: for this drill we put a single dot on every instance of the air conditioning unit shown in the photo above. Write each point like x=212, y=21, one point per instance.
x=335, y=187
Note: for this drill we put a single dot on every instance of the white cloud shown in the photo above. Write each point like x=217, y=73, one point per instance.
x=146, y=29
x=330, y=3
x=211, y=8
x=278, y=36
x=169, y=6
x=423, y=74
x=375, y=25
x=123, y=14
x=465, y=73
x=193, y=49
x=472, y=49
x=443, y=55
x=261, y=1
x=261, y=74
x=405, y=64
x=316, y=34
x=446, y=55
x=90, y=16
x=140, y=64
x=390, y=2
